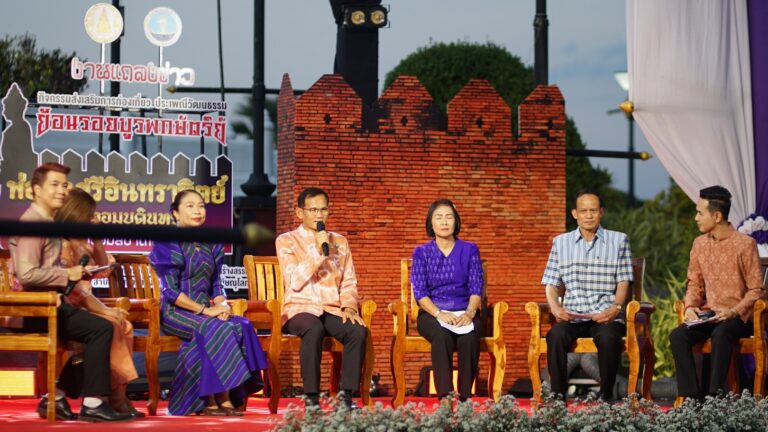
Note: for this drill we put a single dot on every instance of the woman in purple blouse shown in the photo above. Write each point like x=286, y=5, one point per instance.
x=447, y=279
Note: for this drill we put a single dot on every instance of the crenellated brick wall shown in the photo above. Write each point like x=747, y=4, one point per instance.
x=509, y=190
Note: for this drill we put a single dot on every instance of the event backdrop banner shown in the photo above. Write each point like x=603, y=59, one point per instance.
x=132, y=190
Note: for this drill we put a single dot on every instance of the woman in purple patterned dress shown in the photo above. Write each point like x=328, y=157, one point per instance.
x=447, y=280
x=220, y=360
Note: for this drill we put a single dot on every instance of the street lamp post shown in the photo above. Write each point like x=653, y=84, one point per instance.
x=623, y=80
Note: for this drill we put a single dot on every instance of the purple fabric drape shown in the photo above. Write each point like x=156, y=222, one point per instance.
x=758, y=49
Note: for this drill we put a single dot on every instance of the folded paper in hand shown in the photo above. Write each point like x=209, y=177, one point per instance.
x=458, y=329
x=700, y=321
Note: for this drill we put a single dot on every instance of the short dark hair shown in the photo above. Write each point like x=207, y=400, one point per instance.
x=718, y=199
x=439, y=203
x=41, y=172
x=311, y=193
x=587, y=191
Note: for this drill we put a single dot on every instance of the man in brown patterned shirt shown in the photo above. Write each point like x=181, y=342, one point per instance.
x=724, y=276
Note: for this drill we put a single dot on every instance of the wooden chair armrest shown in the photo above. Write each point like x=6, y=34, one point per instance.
x=366, y=312
x=257, y=306
x=498, y=310
x=535, y=311
x=758, y=320
x=153, y=306
x=239, y=306
x=399, y=311
x=28, y=298
x=680, y=309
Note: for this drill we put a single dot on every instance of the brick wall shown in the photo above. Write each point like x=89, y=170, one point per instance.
x=508, y=188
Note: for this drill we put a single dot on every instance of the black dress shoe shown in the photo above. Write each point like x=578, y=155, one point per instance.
x=103, y=413
x=311, y=401
x=347, y=401
x=63, y=411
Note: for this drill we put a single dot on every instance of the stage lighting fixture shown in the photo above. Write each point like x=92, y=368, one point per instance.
x=357, y=17
x=365, y=17
x=378, y=17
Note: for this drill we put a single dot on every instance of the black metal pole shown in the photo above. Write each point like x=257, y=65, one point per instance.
x=250, y=234
x=258, y=184
x=541, y=43
x=114, y=86
x=631, y=196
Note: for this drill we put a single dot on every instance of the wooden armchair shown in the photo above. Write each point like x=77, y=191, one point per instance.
x=404, y=313
x=265, y=299
x=33, y=304
x=638, y=343
x=136, y=278
x=755, y=345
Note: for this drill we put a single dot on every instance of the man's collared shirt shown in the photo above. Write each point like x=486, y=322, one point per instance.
x=35, y=262
x=589, y=271
x=314, y=283
x=724, y=274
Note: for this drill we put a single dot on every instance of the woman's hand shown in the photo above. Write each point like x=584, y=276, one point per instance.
x=447, y=317
x=220, y=311
x=464, y=319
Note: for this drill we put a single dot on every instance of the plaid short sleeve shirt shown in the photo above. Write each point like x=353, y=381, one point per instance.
x=589, y=271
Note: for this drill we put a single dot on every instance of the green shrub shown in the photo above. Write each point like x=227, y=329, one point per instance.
x=730, y=413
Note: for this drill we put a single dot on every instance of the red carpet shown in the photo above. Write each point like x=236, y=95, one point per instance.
x=20, y=415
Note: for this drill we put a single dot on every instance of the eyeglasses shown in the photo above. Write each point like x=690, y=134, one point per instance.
x=314, y=211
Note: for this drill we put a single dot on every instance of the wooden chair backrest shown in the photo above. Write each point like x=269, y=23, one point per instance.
x=406, y=289
x=134, y=278
x=638, y=273
x=764, y=266
x=265, y=278
x=5, y=271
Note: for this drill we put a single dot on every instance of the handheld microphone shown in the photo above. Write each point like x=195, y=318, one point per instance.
x=321, y=227
x=71, y=284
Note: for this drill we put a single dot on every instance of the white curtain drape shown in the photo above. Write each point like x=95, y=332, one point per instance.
x=689, y=79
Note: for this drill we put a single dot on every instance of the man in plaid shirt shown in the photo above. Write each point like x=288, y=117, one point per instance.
x=590, y=270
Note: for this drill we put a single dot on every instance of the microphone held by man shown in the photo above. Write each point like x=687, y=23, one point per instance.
x=71, y=284
x=321, y=229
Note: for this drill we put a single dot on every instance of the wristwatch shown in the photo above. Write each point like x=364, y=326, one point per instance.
x=619, y=306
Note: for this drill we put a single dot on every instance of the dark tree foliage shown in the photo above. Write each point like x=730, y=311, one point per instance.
x=35, y=69
x=444, y=69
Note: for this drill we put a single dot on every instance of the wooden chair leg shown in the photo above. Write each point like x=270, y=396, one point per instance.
x=498, y=365
x=335, y=372
x=634, y=372
x=649, y=364
x=533, y=370
x=733, y=372
x=51, y=385
x=367, y=373
x=759, y=386
x=398, y=374
x=273, y=356
x=151, y=358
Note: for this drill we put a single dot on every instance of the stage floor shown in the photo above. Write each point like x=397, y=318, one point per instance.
x=20, y=415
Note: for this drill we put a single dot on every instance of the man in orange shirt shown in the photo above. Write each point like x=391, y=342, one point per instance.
x=321, y=295
x=724, y=277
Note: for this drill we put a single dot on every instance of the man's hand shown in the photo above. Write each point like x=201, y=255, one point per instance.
x=725, y=314
x=691, y=314
x=352, y=315
x=75, y=273
x=120, y=315
x=320, y=238
x=561, y=313
x=606, y=315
